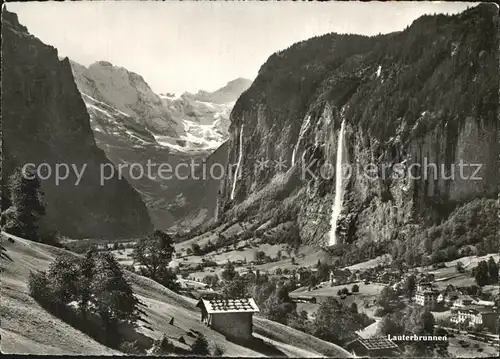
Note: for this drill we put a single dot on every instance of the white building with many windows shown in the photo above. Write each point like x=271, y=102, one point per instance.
x=476, y=315
x=427, y=298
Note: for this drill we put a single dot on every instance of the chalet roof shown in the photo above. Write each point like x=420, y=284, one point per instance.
x=378, y=343
x=428, y=291
x=241, y=305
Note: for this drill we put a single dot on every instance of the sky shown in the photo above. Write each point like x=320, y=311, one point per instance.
x=187, y=46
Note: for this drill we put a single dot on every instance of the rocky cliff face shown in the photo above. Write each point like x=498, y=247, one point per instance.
x=45, y=121
x=134, y=126
x=127, y=92
x=425, y=95
x=229, y=93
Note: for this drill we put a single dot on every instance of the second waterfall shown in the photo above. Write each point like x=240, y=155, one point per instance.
x=339, y=192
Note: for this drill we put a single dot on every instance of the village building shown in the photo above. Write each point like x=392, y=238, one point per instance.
x=427, y=298
x=447, y=298
x=231, y=317
x=462, y=301
x=373, y=347
x=424, y=285
x=340, y=276
x=476, y=316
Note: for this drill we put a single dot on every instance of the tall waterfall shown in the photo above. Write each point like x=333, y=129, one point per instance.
x=339, y=193
x=303, y=129
x=238, y=164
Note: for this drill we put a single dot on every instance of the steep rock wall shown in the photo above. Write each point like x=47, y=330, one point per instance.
x=45, y=121
x=428, y=93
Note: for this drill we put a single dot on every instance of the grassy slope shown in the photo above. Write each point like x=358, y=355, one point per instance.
x=27, y=328
x=310, y=259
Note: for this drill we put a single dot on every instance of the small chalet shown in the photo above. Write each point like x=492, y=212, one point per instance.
x=449, y=297
x=462, y=301
x=231, y=317
x=373, y=347
x=339, y=276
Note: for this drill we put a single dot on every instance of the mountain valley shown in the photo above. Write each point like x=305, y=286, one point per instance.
x=359, y=198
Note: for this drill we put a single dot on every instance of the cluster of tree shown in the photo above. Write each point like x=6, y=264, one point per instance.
x=199, y=348
x=459, y=266
x=351, y=253
x=305, y=277
x=388, y=297
x=199, y=267
x=486, y=272
x=278, y=305
x=469, y=230
x=261, y=257
x=212, y=280
x=117, y=246
x=229, y=271
x=220, y=242
x=343, y=292
x=153, y=254
x=289, y=235
x=24, y=208
x=414, y=320
x=286, y=271
x=388, y=300
x=199, y=230
x=80, y=289
x=194, y=250
x=336, y=322
x=271, y=294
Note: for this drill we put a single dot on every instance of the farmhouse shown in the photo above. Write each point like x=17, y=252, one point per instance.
x=462, y=301
x=339, y=276
x=449, y=297
x=231, y=317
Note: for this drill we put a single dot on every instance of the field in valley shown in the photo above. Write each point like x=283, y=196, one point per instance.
x=28, y=329
x=162, y=304
x=364, y=299
x=449, y=275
